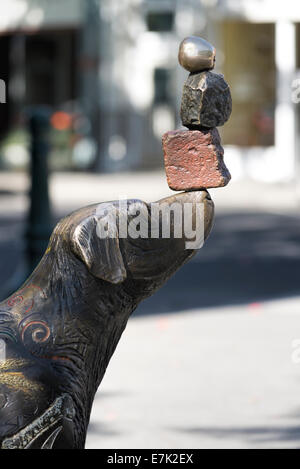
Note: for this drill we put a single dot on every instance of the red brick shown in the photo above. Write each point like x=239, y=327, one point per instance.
x=194, y=159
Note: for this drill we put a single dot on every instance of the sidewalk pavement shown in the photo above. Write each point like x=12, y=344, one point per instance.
x=70, y=191
x=207, y=361
x=204, y=378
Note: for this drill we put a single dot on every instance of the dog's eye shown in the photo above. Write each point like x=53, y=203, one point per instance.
x=37, y=332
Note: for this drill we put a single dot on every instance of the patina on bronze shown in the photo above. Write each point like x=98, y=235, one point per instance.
x=63, y=325
x=196, y=54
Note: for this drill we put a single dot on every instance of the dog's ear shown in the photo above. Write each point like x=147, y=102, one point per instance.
x=96, y=242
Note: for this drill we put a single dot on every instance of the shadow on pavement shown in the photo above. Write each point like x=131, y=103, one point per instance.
x=5, y=192
x=249, y=257
x=101, y=429
x=256, y=435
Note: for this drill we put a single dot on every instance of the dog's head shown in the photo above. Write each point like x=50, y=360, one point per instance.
x=132, y=242
x=61, y=328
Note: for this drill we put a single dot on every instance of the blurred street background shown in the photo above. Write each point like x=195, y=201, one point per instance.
x=212, y=360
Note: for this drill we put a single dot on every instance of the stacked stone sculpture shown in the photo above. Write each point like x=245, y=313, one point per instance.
x=194, y=158
x=59, y=330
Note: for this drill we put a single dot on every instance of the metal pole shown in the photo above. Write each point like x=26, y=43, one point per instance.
x=39, y=217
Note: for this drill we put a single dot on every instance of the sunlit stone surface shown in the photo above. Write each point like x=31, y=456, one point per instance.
x=206, y=101
x=194, y=159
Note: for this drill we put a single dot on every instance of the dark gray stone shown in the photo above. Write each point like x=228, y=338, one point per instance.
x=206, y=101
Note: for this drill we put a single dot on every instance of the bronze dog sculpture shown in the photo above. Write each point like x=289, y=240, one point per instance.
x=60, y=329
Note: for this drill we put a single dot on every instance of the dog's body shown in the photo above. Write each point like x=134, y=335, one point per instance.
x=62, y=327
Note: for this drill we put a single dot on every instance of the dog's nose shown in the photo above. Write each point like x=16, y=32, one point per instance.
x=195, y=198
x=188, y=196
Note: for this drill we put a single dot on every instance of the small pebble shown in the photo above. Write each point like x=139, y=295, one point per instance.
x=196, y=54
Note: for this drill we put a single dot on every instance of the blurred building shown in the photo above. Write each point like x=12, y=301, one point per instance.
x=38, y=46
x=114, y=65
x=260, y=42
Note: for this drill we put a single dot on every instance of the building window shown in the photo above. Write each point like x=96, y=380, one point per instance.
x=163, y=117
x=161, y=85
x=160, y=21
